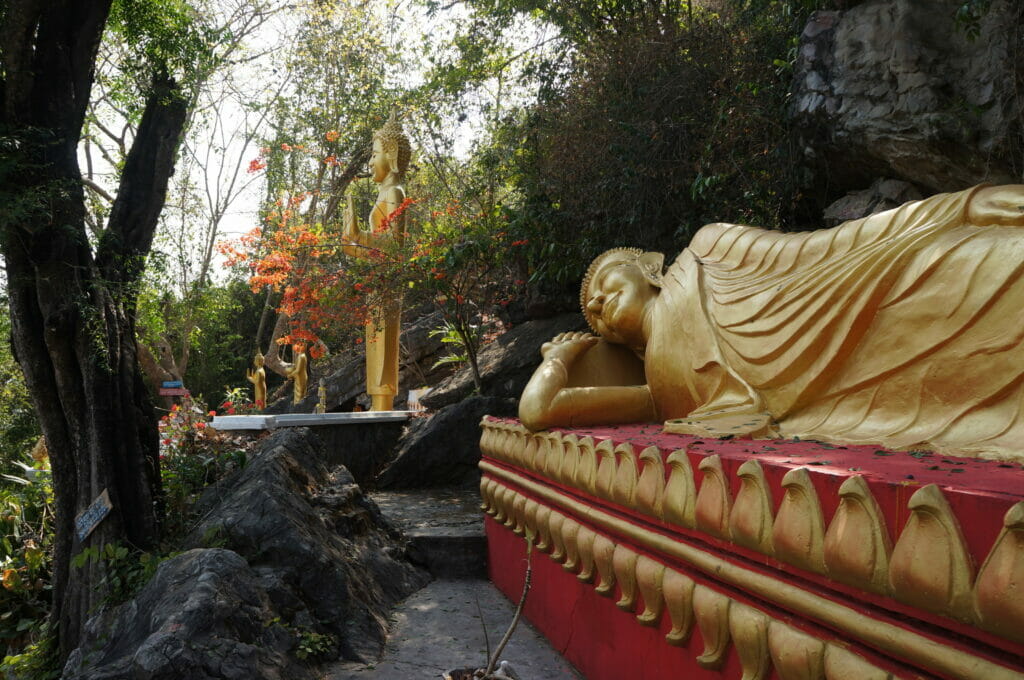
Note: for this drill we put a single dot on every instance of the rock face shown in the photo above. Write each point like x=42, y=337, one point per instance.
x=287, y=549
x=897, y=88
x=443, y=450
x=507, y=363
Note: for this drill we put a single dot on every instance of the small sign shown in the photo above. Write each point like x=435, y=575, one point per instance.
x=173, y=392
x=171, y=383
x=89, y=518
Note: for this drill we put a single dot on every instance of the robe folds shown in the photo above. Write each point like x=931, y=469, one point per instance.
x=903, y=329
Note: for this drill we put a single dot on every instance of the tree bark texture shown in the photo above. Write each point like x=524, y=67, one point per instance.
x=72, y=303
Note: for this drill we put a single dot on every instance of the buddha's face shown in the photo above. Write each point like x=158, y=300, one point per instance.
x=380, y=165
x=619, y=303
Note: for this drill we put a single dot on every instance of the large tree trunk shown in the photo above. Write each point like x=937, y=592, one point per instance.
x=72, y=311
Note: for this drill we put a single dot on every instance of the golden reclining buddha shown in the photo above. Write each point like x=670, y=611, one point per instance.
x=903, y=329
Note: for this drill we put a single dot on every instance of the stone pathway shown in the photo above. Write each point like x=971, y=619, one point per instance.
x=439, y=628
x=445, y=528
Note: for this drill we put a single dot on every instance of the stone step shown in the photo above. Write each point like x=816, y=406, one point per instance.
x=445, y=529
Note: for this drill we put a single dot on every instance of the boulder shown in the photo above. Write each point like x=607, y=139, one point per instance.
x=884, y=194
x=507, y=363
x=286, y=547
x=443, y=450
x=897, y=88
x=203, y=615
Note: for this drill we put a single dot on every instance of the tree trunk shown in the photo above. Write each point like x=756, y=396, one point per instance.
x=73, y=325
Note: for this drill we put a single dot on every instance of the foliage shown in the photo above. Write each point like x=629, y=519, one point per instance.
x=26, y=522
x=313, y=645
x=459, y=261
x=125, y=571
x=38, y=661
x=192, y=456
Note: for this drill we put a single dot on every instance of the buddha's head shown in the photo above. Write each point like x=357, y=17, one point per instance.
x=391, y=150
x=617, y=293
x=258, y=360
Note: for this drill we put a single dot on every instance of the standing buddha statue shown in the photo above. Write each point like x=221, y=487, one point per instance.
x=388, y=165
x=258, y=377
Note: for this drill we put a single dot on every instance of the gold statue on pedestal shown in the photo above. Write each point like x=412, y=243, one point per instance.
x=258, y=377
x=901, y=329
x=298, y=373
x=389, y=163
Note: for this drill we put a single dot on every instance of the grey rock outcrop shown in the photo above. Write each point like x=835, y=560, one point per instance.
x=444, y=449
x=287, y=547
x=896, y=88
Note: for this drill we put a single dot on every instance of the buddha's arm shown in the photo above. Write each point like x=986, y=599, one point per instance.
x=547, y=401
x=1003, y=205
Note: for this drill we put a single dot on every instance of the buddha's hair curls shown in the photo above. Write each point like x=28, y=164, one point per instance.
x=394, y=140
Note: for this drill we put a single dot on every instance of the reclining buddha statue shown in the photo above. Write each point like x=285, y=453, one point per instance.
x=902, y=329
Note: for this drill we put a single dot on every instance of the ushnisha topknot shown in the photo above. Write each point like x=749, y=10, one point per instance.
x=650, y=265
x=394, y=140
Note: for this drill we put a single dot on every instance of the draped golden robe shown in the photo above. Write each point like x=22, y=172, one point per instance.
x=903, y=329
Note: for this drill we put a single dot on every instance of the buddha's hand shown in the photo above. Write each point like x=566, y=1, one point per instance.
x=997, y=205
x=567, y=347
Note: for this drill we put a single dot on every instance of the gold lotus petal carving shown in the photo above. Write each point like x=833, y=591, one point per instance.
x=585, y=544
x=528, y=456
x=586, y=467
x=711, y=610
x=999, y=591
x=555, y=522
x=795, y=654
x=543, y=528
x=511, y=496
x=749, y=630
x=850, y=622
x=857, y=545
x=553, y=453
x=680, y=492
x=798, y=534
x=570, y=531
x=750, y=520
x=605, y=469
x=530, y=511
x=649, y=576
x=842, y=664
x=678, y=591
x=650, y=490
x=624, y=485
x=570, y=457
x=604, y=559
x=624, y=564
x=714, y=499
x=501, y=509
x=486, y=500
x=930, y=567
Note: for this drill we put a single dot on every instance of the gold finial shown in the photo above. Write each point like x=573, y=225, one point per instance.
x=393, y=140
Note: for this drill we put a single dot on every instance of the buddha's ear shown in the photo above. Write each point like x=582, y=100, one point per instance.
x=392, y=156
x=651, y=264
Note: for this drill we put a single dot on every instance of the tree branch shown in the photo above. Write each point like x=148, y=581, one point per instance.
x=143, y=188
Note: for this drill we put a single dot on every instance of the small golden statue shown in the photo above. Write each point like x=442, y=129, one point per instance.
x=902, y=329
x=258, y=378
x=321, y=391
x=389, y=163
x=298, y=373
